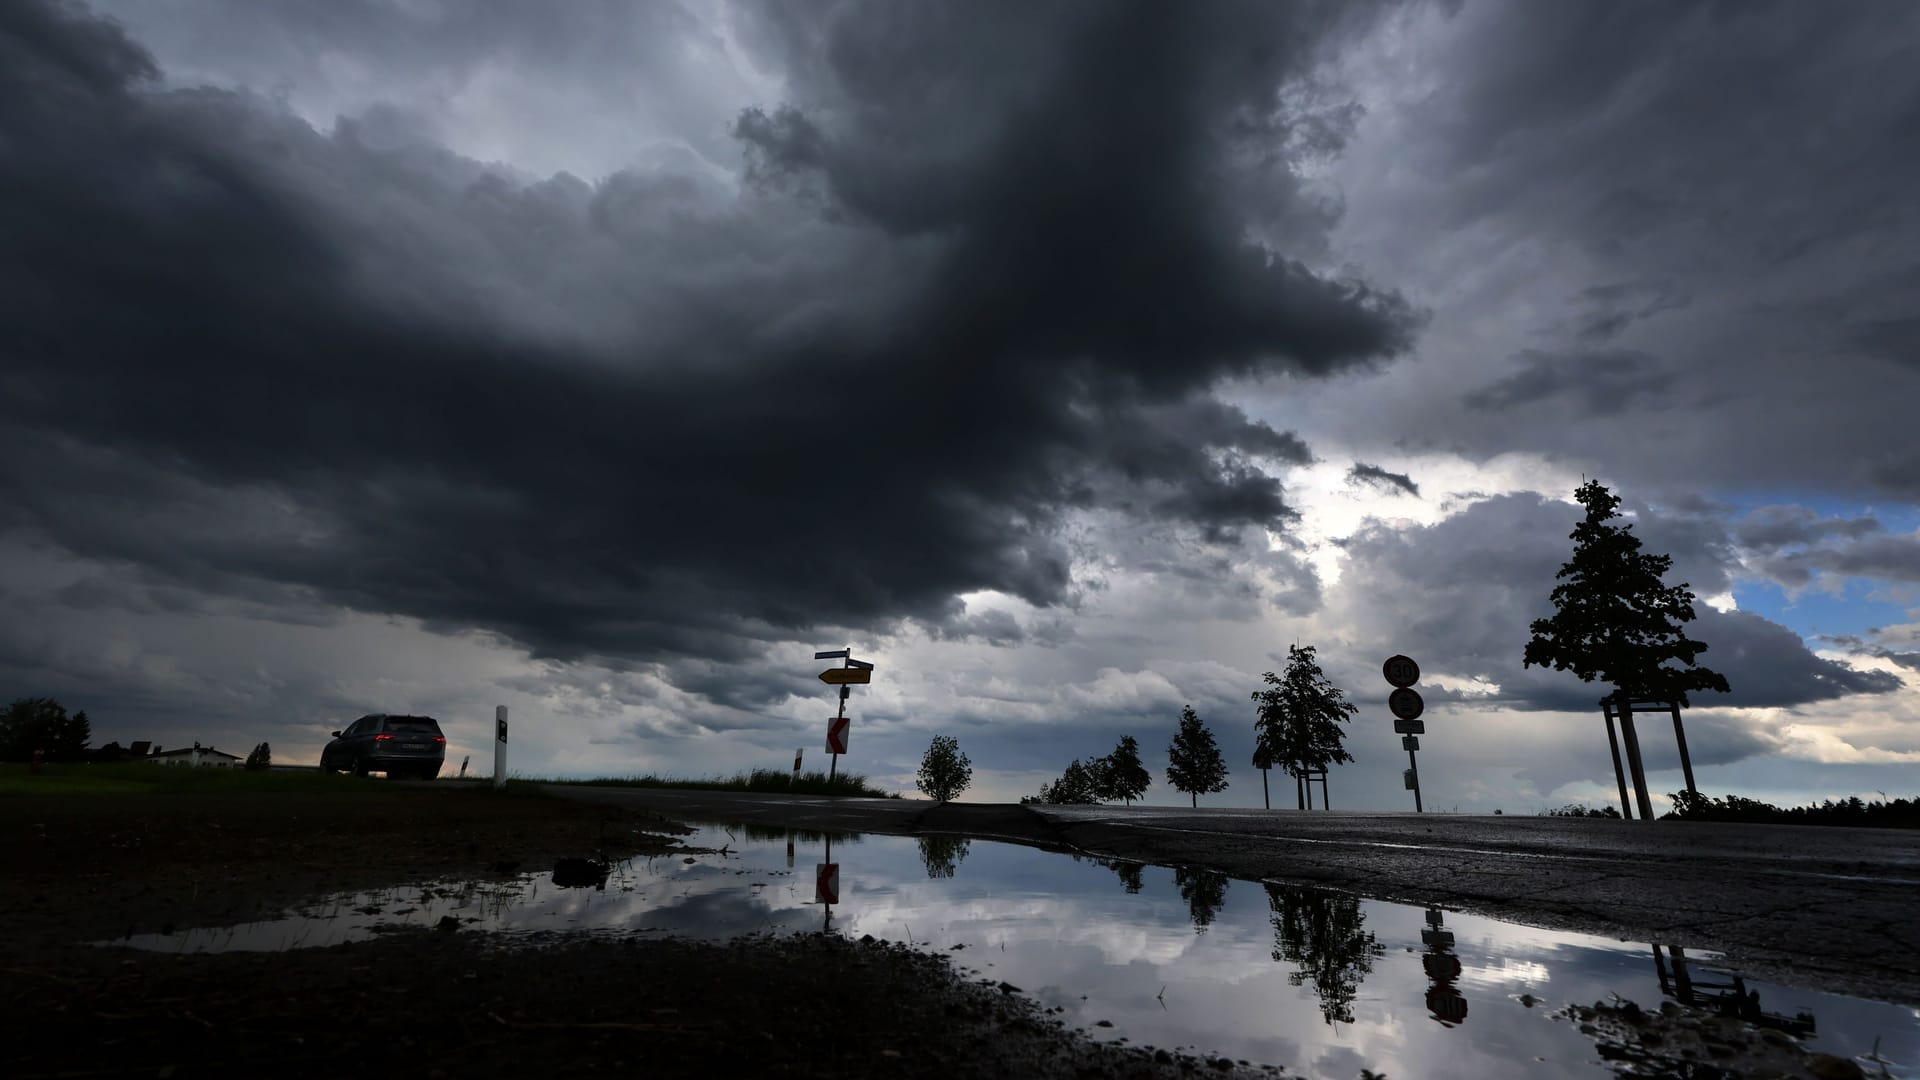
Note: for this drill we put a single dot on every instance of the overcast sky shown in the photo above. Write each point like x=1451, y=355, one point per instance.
x=1067, y=360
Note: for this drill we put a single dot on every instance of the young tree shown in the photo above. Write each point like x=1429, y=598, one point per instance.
x=945, y=772
x=1194, y=764
x=259, y=759
x=1300, y=715
x=1121, y=776
x=1617, y=621
x=1263, y=760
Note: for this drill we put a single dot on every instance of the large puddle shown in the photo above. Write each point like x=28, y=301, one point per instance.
x=1317, y=981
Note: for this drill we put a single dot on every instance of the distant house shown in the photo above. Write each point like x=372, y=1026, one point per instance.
x=199, y=757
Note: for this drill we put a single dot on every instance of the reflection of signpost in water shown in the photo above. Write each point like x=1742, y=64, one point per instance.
x=1406, y=705
x=826, y=886
x=1446, y=1004
x=853, y=673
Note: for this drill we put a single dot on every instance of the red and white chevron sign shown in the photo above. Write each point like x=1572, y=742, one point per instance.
x=837, y=734
x=826, y=883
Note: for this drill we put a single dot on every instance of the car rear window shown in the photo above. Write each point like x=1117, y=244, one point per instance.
x=415, y=725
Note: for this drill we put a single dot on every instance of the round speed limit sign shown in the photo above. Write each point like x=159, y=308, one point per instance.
x=1400, y=670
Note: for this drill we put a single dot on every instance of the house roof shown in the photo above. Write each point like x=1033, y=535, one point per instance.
x=205, y=751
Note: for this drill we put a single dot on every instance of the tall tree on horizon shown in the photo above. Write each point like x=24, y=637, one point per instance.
x=1194, y=764
x=1616, y=620
x=1300, y=716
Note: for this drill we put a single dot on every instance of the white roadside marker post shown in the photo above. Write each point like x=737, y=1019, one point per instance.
x=499, y=746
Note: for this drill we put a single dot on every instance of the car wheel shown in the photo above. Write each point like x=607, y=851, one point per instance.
x=360, y=767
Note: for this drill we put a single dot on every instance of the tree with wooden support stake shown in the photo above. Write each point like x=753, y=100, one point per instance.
x=1617, y=621
x=1297, y=725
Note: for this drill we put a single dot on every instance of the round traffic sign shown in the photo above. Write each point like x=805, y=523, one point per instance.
x=1400, y=670
x=1406, y=704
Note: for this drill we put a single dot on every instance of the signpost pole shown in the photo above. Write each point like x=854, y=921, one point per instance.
x=1415, y=766
x=833, y=760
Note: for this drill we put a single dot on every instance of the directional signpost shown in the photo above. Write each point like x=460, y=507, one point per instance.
x=1406, y=705
x=852, y=673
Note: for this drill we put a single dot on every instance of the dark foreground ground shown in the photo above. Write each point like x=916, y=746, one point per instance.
x=88, y=868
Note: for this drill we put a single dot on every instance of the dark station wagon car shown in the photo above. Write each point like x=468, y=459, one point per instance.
x=401, y=746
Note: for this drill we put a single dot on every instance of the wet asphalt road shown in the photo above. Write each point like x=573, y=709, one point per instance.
x=1831, y=908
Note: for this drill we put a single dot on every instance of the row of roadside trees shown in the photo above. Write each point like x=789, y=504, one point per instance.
x=1297, y=728
x=1615, y=621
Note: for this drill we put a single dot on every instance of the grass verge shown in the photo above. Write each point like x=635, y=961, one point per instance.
x=140, y=778
x=774, y=781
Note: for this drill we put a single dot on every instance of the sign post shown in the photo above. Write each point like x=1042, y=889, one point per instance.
x=499, y=746
x=797, y=751
x=1406, y=705
x=852, y=673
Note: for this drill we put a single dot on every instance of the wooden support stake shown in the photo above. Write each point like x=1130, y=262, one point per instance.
x=1619, y=774
x=1680, y=736
x=1635, y=763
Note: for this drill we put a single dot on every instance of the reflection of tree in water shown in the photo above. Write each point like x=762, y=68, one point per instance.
x=1129, y=874
x=1321, y=934
x=942, y=854
x=1205, y=891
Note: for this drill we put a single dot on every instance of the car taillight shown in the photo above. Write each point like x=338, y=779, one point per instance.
x=381, y=738
x=439, y=738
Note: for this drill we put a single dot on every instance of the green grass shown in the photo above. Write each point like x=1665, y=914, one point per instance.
x=776, y=781
x=139, y=778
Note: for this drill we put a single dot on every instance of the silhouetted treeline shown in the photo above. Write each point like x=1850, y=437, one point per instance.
x=42, y=724
x=1894, y=814
x=1577, y=810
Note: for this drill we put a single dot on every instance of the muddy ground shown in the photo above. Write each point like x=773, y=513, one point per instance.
x=85, y=869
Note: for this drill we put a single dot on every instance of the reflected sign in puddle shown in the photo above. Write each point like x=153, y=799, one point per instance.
x=1317, y=981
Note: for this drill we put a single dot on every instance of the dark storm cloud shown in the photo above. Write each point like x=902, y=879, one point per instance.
x=1700, y=211
x=1608, y=310
x=1592, y=383
x=1772, y=528
x=1459, y=597
x=1793, y=545
x=638, y=416
x=1363, y=473
x=589, y=82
